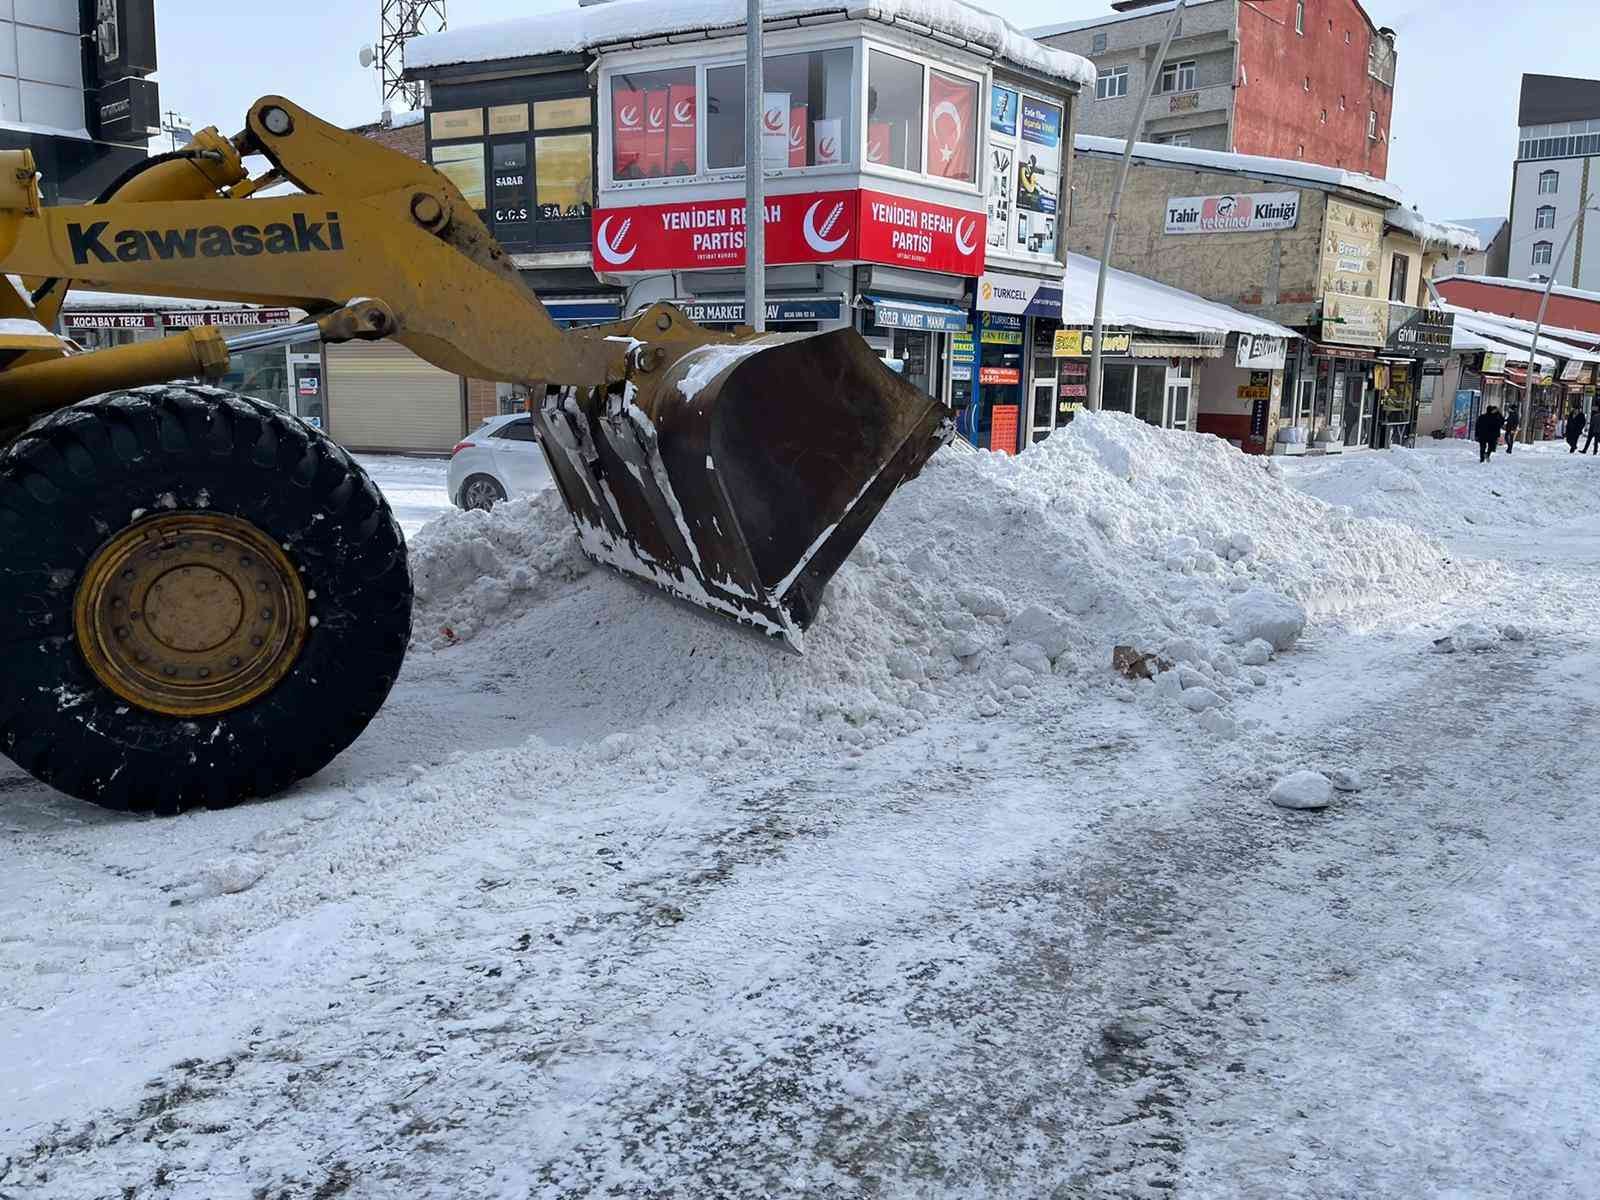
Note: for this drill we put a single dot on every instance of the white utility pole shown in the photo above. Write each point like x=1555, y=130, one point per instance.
x=1116, y=204
x=1538, y=325
x=755, y=183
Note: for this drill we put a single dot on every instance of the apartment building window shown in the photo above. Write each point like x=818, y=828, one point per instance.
x=1112, y=84
x=1178, y=76
x=1178, y=139
x=1300, y=17
x=1549, y=183
x=1545, y=217
x=1542, y=252
x=1399, y=277
x=1372, y=124
x=1099, y=44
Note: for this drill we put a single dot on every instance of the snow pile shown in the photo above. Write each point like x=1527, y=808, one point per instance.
x=1444, y=489
x=984, y=583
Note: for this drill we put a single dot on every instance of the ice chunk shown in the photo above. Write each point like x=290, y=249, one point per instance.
x=1046, y=629
x=1303, y=789
x=1257, y=652
x=1261, y=613
x=1198, y=699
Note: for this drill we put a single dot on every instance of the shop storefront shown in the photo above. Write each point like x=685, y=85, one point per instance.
x=1019, y=376
x=289, y=378
x=911, y=335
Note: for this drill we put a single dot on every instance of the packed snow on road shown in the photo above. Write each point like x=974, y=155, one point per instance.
x=615, y=900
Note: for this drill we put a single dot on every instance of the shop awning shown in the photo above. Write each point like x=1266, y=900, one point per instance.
x=780, y=310
x=1134, y=302
x=567, y=312
x=900, y=312
x=1141, y=349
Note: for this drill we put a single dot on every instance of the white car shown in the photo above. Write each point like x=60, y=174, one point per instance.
x=499, y=459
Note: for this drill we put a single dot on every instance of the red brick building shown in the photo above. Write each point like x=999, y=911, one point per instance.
x=1569, y=308
x=1311, y=80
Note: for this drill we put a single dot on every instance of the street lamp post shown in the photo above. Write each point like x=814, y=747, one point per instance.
x=1116, y=205
x=755, y=183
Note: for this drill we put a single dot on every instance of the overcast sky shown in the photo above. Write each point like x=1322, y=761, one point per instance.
x=1454, y=132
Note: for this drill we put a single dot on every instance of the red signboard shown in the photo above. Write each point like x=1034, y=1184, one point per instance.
x=1003, y=421
x=809, y=227
x=999, y=376
x=915, y=233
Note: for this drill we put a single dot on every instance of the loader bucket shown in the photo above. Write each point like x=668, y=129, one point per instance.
x=757, y=468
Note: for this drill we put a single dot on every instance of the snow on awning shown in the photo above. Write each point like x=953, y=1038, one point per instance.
x=1464, y=340
x=575, y=30
x=1134, y=302
x=1499, y=330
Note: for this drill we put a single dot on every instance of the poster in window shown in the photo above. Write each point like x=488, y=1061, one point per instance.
x=1003, y=111
x=681, y=129
x=456, y=123
x=627, y=133
x=797, y=135
x=1039, y=159
x=655, y=133
x=563, y=180
x=880, y=141
x=508, y=118
x=463, y=166
x=561, y=114
x=829, y=142
x=510, y=183
x=999, y=198
x=952, y=112
x=775, y=128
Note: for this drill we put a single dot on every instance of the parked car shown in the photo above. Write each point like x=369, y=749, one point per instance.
x=499, y=459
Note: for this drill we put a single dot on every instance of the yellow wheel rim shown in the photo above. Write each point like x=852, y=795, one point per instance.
x=191, y=614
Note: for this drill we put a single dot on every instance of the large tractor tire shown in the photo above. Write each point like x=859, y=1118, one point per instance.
x=202, y=600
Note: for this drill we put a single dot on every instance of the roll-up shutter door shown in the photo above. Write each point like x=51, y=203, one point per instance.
x=383, y=397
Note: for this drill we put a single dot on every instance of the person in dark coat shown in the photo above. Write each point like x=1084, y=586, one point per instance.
x=1487, y=430
x=1574, y=429
x=1512, y=422
x=1592, y=444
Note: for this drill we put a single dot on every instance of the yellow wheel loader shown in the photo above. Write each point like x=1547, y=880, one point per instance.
x=202, y=599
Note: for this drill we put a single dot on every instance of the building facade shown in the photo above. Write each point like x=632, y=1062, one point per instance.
x=1333, y=255
x=73, y=90
x=1492, y=256
x=915, y=179
x=1557, y=164
x=1311, y=80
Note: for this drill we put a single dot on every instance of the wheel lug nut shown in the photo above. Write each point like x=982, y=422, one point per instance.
x=204, y=673
x=256, y=642
x=169, y=671
x=216, y=547
x=234, y=661
x=261, y=585
x=246, y=561
x=266, y=614
x=116, y=602
x=122, y=632
x=127, y=577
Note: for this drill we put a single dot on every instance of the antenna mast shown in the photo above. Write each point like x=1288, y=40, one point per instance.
x=400, y=21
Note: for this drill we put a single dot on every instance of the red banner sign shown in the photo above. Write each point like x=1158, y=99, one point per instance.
x=809, y=227
x=680, y=129
x=627, y=134
x=999, y=376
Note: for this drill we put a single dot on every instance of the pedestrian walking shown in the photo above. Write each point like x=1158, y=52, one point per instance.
x=1487, y=430
x=1513, y=422
x=1591, y=444
x=1574, y=429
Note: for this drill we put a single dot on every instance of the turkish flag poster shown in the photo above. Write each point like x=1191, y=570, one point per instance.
x=952, y=140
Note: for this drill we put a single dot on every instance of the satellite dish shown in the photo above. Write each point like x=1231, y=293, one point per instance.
x=366, y=56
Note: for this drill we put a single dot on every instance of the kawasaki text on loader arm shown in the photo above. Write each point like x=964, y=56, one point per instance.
x=202, y=599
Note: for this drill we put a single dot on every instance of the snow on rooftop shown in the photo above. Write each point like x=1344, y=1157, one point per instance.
x=1517, y=330
x=574, y=30
x=1485, y=227
x=1256, y=165
x=1525, y=285
x=1110, y=18
x=1436, y=233
x=1132, y=301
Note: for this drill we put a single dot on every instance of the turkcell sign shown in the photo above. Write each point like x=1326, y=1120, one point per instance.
x=1237, y=213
